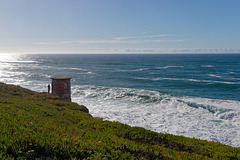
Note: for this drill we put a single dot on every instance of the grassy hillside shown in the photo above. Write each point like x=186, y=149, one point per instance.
x=40, y=126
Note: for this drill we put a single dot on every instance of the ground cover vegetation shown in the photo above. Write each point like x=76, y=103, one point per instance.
x=39, y=126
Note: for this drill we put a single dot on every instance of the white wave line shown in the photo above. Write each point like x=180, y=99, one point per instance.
x=195, y=80
x=169, y=67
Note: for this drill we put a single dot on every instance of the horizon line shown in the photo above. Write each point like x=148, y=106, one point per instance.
x=119, y=52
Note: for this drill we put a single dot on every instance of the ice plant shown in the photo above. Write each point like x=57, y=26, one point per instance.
x=62, y=130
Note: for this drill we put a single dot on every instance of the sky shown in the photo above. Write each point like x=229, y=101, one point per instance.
x=119, y=26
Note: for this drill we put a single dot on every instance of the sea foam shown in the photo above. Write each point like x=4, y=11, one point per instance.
x=202, y=118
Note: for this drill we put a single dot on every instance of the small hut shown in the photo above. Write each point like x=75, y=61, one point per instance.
x=61, y=87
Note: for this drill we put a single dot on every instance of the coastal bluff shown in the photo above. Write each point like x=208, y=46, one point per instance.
x=41, y=126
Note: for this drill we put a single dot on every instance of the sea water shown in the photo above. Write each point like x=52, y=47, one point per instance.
x=194, y=95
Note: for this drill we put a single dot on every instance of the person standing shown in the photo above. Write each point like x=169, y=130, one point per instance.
x=49, y=88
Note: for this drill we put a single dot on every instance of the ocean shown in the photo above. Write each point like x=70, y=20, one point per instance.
x=193, y=95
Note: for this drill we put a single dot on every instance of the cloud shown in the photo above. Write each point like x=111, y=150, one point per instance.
x=164, y=40
x=117, y=40
x=86, y=42
x=157, y=38
x=67, y=42
x=142, y=37
x=44, y=43
x=146, y=40
x=121, y=41
x=177, y=50
x=111, y=41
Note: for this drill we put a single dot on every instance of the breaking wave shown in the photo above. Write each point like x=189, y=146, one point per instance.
x=208, y=119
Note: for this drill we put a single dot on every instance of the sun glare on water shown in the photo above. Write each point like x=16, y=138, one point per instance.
x=8, y=57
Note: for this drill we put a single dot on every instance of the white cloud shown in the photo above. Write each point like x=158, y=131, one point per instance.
x=111, y=41
x=117, y=40
x=141, y=37
x=44, y=43
x=164, y=40
x=177, y=50
x=86, y=42
x=138, y=41
x=67, y=42
x=120, y=41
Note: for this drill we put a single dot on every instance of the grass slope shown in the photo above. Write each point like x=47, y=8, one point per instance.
x=40, y=126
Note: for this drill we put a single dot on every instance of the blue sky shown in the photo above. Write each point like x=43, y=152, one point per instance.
x=119, y=26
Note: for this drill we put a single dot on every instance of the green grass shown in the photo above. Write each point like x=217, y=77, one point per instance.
x=40, y=126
